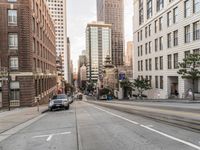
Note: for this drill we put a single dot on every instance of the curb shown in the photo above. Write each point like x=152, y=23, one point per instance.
x=183, y=122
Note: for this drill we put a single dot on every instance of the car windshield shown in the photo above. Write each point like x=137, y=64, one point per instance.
x=59, y=96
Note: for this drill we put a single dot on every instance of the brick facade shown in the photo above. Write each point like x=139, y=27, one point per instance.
x=36, y=71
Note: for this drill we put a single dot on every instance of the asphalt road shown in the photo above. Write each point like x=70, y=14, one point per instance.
x=89, y=127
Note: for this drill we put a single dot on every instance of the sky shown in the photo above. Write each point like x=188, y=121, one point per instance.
x=81, y=12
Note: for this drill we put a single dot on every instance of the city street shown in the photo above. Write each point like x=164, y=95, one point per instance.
x=90, y=127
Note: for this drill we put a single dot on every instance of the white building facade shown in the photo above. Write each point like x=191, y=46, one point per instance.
x=59, y=15
x=165, y=32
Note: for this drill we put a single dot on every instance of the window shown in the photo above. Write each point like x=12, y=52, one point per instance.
x=175, y=38
x=149, y=8
x=156, y=45
x=156, y=83
x=187, y=9
x=146, y=48
x=150, y=65
x=14, y=64
x=196, y=30
x=156, y=26
x=138, y=36
x=150, y=45
x=12, y=0
x=141, y=50
x=14, y=91
x=161, y=62
x=161, y=43
x=156, y=63
x=141, y=65
x=146, y=64
x=159, y=5
x=161, y=82
x=13, y=41
x=169, y=61
x=146, y=31
x=176, y=61
x=12, y=17
x=187, y=53
x=138, y=50
x=150, y=30
x=175, y=15
x=169, y=19
x=141, y=35
x=196, y=51
x=138, y=65
x=169, y=40
x=141, y=13
x=160, y=23
x=196, y=6
x=187, y=34
x=150, y=80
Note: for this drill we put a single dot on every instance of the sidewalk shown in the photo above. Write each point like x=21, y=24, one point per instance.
x=10, y=119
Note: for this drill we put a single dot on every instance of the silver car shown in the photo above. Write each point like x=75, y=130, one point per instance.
x=59, y=101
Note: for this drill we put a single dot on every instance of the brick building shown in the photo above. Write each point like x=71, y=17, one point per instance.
x=27, y=51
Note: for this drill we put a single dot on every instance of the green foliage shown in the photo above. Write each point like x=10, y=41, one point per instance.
x=104, y=91
x=90, y=87
x=141, y=85
x=189, y=68
x=126, y=84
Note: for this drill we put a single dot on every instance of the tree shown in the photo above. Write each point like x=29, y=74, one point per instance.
x=141, y=85
x=127, y=85
x=189, y=69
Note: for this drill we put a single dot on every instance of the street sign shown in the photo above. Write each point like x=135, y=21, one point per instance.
x=122, y=76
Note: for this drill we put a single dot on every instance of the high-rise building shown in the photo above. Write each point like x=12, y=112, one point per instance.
x=98, y=46
x=129, y=54
x=69, y=71
x=27, y=53
x=59, y=15
x=165, y=32
x=112, y=12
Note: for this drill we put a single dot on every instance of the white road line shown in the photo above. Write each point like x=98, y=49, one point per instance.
x=51, y=135
x=151, y=129
x=49, y=138
x=116, y=115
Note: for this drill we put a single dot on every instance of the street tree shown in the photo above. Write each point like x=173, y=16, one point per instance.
x=189, y=69
x=141, y=85
x=127, y=86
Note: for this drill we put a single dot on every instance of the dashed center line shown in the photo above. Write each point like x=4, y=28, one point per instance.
x=149, y=127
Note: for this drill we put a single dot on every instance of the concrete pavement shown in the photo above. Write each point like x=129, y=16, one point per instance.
x=90, y=127
x=186, y=116
x=13, y=118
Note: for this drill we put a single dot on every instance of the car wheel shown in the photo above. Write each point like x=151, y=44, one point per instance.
x=67, y=108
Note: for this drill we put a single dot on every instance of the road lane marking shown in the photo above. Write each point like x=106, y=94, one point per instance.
x=50, y=136
x=116, y=115
x=151, y=129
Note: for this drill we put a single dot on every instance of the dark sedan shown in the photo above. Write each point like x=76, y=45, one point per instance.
x=59, y=101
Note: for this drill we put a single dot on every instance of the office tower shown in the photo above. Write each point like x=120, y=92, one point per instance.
x=112, y=12
x=98, y=46
x=59, y=15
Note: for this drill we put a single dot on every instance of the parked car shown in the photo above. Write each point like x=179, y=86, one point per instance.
x=71, y=99
x=103, y=97
x=59, y=101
